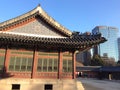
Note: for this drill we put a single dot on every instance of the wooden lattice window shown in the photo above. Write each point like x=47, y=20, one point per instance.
x=11, y=63
x=17, y=63
x=47, y=62
x=1, y=63
x=50, y=68
x=20, y=64
x=39, y=66
x=67, y=65
x=23, y=64
x=2, y=59
x=47, y=65
x=21, y=60
x=29, y=65
x=55, y=65
x=67, y=62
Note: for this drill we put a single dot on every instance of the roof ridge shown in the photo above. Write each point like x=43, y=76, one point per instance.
x=43, y=14
x=31, y=35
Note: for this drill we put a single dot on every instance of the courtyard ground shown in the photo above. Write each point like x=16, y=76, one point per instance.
x=94, y=84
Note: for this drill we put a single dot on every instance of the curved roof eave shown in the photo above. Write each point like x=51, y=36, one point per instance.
x=42, y=14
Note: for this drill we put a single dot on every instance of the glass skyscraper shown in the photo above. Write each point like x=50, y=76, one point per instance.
x=119, y=48
x=110, y=47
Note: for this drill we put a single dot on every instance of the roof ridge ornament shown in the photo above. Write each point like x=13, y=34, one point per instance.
x=39, y=5
x=39, y=8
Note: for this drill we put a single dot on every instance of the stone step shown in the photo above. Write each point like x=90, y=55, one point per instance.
x=79, y=86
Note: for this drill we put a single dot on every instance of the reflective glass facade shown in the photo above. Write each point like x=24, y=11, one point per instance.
x=119, y=48
x=110, y=47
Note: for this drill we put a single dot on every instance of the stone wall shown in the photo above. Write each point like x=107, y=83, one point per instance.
x=38, y=84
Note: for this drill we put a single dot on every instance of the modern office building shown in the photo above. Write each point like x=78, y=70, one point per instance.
x=119, y=48
x=109, y=48
x=85, y=56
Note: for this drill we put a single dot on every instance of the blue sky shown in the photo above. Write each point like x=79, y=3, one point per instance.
x=76, y=15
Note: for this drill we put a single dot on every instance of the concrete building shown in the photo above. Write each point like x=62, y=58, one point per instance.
x=84, y=56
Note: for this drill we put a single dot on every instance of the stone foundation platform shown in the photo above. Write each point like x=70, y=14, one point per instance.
x=40, y=84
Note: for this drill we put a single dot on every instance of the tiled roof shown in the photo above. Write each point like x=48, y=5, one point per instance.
x=79, y=42
x=88, y=68
x=38, y=11
x=109, y=69
x=99, y=68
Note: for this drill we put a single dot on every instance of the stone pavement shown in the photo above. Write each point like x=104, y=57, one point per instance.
x=93, y=84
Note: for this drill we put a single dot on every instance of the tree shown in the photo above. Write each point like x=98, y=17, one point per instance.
x=118, y=63
x=96, y=61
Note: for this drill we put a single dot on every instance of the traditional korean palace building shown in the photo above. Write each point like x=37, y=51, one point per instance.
x=37, y=53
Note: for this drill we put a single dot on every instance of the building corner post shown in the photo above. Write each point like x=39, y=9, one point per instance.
x=34, y=68
x=6, y=62
x=74, y=64
x=60, y=64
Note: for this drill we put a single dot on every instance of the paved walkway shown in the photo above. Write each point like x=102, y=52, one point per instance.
x=92, y=84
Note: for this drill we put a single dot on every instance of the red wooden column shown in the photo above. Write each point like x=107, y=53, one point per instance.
x=7, y=58
x=34, y=67
x=74, y=64
x=60, y=64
